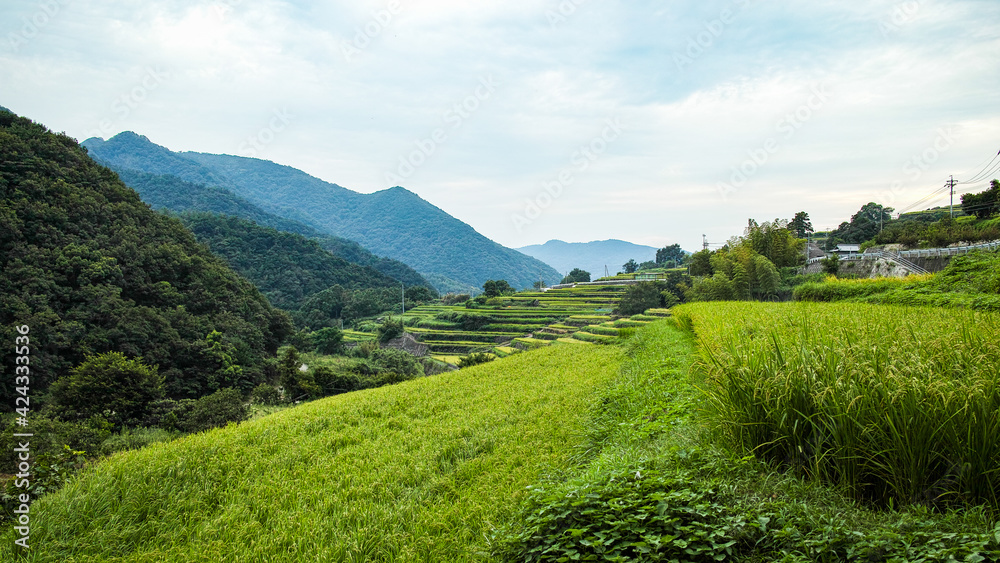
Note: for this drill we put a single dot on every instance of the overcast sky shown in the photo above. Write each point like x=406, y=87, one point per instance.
x=651, y=121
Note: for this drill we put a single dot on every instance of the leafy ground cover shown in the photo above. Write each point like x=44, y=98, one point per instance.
x=421, y=471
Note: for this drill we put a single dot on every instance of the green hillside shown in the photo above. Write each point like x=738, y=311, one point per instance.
x=394, y=222
x=420, y=471
x=163, y=191
x=287, y=268
x=89, y=268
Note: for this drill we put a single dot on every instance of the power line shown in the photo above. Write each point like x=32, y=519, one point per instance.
x=986, y=172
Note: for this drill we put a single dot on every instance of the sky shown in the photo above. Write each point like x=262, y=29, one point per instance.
x=651, y=121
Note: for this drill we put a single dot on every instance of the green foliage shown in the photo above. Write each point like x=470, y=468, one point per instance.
x=916, y=233
x=864, y=224
x=475, y=359
x=701, y=263
x=91, y=269
x=576, y=275
x=831, y=264
x=970, y=281
x=328, y=340
x=455, y=298
x=49, y=472
x=641, y=296
x=800, y=225
x=109, y=385
x=297, y=383
x=265, y=394
x=630, y=267
x=287, y=268
x=389, y=330
x=774, y=241
x=497, y=288
x=218, y=409
x=672, y=253
x=983, y=204
x=740, y=274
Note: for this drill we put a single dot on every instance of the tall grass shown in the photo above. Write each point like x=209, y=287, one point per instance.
x=897, y=405
x=420, y=471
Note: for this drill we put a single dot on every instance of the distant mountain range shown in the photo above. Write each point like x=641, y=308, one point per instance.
x=395, y=222
x=590, y=256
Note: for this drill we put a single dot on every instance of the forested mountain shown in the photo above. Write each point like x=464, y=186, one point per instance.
x=394, y=222
x=172, y=193
x=590, y=256
x=89, y=268
x=286, y=267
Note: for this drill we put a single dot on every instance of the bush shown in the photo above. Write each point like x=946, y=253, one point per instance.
x=389, y=330
x=475, y=359
x=265, y=394
x=218, y=409
x=328, y=341
x=831, y=264
x=51, y=436
x=110, y=385
x=133, y=439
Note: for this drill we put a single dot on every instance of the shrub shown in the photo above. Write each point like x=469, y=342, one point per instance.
x=328, y=340
x=110, y=385
x=265, y=394
x=389, y=330
x=218, y=409
x=475, y=359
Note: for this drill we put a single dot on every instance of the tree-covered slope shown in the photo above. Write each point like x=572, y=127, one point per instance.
x=172, y=193
x=90, y=268
x=394, y=222
x=286, y=267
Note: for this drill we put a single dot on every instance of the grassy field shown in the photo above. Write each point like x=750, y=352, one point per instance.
x=420, y=471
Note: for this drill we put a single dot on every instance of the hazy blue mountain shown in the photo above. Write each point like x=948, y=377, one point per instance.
x=395, y=222
x=163, y=191
x=590, y=256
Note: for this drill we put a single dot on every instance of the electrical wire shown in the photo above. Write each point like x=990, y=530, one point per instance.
x=986, y=172
x=925, y=199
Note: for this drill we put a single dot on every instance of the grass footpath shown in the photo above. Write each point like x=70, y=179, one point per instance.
x=421, y=471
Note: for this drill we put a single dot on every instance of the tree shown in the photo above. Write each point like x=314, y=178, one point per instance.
x=496, y=288
x=801, y=225
x=389, y=330
x=864, y=224
x=670, y=253
x=218, y=409
x=647, y=265
x=110, y=385
x=831, y=264
x=983, y=204
x=701, y=264
x=639, y=297
x=631, y=266
x=576, y=275
x=297, y=382
x=328, y=340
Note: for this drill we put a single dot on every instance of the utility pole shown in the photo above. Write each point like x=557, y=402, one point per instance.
x=951, y=184
x=704, y=242
x=402, y=296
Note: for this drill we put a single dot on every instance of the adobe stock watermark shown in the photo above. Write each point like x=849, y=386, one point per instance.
x=915, y=166
x=900, y=15
x=363, y=36
x=787, y=127
x=32, y=25
x=123, y=106
x=579, y=161
x=456, y=116
x=562, y=12
x=279, y=121
x=706, y=38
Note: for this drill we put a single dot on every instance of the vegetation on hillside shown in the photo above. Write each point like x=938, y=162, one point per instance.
x=970, y=281
x=90, y=269
x=163, y=191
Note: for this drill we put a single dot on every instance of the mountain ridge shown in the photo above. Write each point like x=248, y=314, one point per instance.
x=395, y=222
x=591, y=256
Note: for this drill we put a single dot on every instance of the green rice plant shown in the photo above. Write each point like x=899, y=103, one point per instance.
x=897, y=405
x=421, y=471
